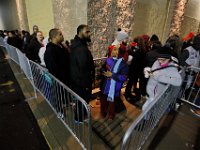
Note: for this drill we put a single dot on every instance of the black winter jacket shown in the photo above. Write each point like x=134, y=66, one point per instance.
x=57, y=62
x=33, y=50
x=82, y=69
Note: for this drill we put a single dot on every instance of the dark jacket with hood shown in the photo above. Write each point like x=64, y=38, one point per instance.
x=81, y=64
x=57, y=62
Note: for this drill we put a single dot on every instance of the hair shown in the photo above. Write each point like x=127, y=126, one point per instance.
x=154, y=37
x=67, y=43
x=38, y=32
x=196, y=39
x=121, y=51
x=23, y=32
x=52, y=33
x=156, y=45
x=35, y=26
x=12, y=32
x=196, y=42
x=81, y=27
x=173, y=42
x=119, y=29
x=141, y=44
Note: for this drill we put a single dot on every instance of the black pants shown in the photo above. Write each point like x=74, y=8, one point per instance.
x=2, y=55
x=133, y=79
x=80, y=111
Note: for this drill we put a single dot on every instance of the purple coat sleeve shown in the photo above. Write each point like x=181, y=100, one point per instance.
x=121, y=76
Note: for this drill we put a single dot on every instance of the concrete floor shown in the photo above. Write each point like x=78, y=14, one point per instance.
x=19, y=129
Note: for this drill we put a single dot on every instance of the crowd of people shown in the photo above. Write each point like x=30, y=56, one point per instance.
x=144, y=61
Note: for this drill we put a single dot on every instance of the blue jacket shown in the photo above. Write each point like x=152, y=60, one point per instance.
x=119, y=77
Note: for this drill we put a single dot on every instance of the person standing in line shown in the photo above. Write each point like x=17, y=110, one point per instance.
x=34, y=34
x=191, y=56
x=121, y=38
x=164, y=71
x=116, y=73
x=42, y=51
x=34, y=47
x=138, y=52
x=82, y=70
x=56, y=57
x=25, y=38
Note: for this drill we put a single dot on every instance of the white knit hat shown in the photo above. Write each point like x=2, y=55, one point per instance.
x=121, y=35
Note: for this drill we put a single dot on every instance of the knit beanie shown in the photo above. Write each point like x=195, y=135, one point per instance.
x=121, y=35
x=165, y=52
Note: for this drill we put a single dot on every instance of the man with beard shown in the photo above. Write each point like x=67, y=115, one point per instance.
x=56, y=57
x=82, y=71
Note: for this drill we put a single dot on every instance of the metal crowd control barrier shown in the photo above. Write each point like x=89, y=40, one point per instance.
x=19, y=58
x=73, y=111
x=25, y=65
x=139, y=131
x=12, y=53
x=190, y=91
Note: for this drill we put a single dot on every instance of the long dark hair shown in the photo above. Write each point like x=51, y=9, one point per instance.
x=140, y=41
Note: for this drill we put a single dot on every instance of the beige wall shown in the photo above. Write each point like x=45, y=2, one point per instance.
x=8, y=15
x=191, y=20
x=40, y=13
x=68, y=14
x=150, y=17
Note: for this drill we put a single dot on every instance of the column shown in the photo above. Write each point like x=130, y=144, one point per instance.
x=178, y=17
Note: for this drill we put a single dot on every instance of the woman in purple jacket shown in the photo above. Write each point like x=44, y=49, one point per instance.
x=116, y=73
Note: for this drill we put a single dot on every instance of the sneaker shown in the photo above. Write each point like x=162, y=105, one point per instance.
x=61, y=116
x=85, y=120
x=177, y=106
x=78, y=122
x=73, y=105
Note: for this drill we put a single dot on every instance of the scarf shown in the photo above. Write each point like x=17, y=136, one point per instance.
x=111, y=93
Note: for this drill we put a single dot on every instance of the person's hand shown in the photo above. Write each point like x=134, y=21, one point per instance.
x=107, y=74
x=147, y=72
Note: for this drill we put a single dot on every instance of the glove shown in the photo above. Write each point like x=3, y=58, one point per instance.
x=147, y=72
